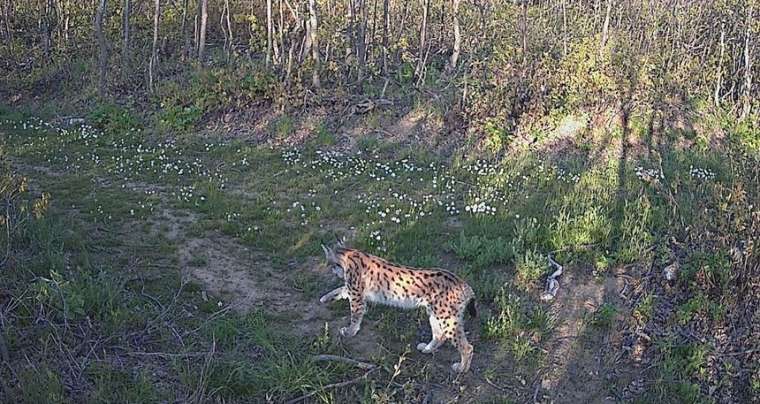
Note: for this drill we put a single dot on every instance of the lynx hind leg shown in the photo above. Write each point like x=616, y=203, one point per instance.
x=464, y=348
x=436, y=326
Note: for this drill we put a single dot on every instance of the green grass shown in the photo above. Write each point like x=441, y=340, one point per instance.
x=604, y=316
x=101, y=253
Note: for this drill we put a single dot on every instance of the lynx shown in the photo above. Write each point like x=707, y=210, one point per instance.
x=372, y=279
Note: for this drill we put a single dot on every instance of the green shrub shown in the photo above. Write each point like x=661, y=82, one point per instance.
x=179, y=119
x=114, y=119
x=482, y=251
x=529, y=267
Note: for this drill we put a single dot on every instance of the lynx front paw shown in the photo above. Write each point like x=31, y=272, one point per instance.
x=425, y=348
x=324, y=299
x=348, y=331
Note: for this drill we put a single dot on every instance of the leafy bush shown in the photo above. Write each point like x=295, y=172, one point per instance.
x=179, y=119
x=114, y=119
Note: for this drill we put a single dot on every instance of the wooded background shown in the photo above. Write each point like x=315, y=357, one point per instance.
x=501, y=59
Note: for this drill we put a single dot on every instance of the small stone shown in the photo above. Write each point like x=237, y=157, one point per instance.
x=670, y=271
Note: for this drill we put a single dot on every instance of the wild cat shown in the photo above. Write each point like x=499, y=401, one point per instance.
x=372, y=279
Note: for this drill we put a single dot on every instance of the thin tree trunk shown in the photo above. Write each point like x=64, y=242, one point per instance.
x=400, y=31
x=226, y=24
x=7, y=22
x=231, y=47
x=605, y=28
x=524, y=32
x=281, y=32
x=46, y=29
x=564, y=27
x=202, y=29
x=386, y=29
x=350, y=51
x=196, y=19
x=183, y=29
x=361, y=43
x=719, y=78
x=747, y=65
x=153, y=64
x=457, y=37
x=223, y=26
x=269, y=33
x=102, y=47
x=371, y=40
x=66, y=20
x=423, y=31
x=125, y=37
x=314, y=42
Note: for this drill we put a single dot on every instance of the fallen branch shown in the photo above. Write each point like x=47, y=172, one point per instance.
x=168, y=354
x=335, y=358
x=332, y=386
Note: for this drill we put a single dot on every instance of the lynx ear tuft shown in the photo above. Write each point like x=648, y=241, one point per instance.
x=340, y=241
x=329, y=254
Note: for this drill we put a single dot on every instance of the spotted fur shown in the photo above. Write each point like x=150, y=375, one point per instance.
x=370, y=279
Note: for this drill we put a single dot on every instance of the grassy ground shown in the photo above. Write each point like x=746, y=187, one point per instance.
x=162, y=268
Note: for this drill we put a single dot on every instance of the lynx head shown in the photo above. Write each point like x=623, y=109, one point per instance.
x=333, y=261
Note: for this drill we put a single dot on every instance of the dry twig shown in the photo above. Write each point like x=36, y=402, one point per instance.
x=332, y=386
x=353, y=362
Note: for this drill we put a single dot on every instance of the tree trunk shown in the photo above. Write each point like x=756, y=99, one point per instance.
x=226, y=24
x=184, y=32
x=457, y=37
x=719, y=78
x=269, y=33
x=203, y=10
x=281, y=34
x=314, y=42
x=423, y=32
x=747, y=97
x=7, y=32
x=371, y=39
x=524, y=32
x=564, y=27
x=125, y=37
x=153, y=64
x=605, y=28
x=361, y=42
x=102, y=47
x=66, y=20
x=386, y=29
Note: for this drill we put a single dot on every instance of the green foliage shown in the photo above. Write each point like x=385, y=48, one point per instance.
x=680, y=362
x=644, y=310
x=112, y=385
x=605, y=315
x=324, y=136
x=705, y=270
x=636, y=238
x=529, y=267
x=283, y=127
x=114, y=119
x=178, y=118
x=95, y=296
x=508, y=319
x=699, y=304
x=42, y=385
x=482, y=251
x=515, y=326
x=497, y=137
